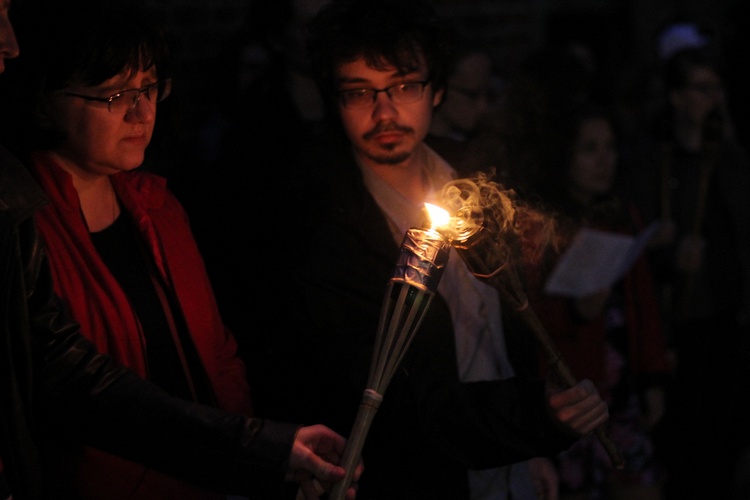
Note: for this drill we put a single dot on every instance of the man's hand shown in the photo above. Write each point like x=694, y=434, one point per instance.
x=578, y=409
x=314, y=460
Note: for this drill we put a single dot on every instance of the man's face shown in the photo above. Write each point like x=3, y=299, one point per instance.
x=383, y=131
x=8, y=44
x=468, y=95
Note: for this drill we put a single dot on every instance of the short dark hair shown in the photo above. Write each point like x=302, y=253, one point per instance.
x=84, y=42
x=394, y=32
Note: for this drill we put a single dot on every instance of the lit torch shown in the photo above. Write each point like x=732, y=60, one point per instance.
x=488, y=253
x=423, y=256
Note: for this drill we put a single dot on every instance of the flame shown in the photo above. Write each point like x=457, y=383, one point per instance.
x=438, y=216
x=457, y=223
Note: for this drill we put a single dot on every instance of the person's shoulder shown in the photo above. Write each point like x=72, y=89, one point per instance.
x=20, y=195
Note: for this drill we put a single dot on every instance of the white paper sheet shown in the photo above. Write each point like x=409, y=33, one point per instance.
x=596, y=260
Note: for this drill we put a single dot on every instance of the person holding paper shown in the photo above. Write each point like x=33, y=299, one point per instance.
x=613, y=336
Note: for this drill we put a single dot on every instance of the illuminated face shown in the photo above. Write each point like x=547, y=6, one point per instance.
x=382, y=131
x=100, y=141
x=702, y=94
x=592, y=168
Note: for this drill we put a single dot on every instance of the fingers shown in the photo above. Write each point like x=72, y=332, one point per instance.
x=580, y=408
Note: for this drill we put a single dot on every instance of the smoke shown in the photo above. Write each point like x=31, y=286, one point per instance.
x=519, y=230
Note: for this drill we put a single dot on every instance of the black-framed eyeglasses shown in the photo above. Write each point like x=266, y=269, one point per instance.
x=399, y=93
x=127, y=100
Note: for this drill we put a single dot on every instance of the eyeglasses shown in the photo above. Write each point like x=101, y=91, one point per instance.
x=127, y=100
x=400, y=93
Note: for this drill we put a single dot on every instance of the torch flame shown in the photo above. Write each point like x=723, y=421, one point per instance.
x=438, y=216
x=460, y=226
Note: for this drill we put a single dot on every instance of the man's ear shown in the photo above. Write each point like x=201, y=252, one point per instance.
x=437, y=97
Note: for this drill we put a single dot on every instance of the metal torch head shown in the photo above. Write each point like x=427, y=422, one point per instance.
x=484, y=253
x=424, y=254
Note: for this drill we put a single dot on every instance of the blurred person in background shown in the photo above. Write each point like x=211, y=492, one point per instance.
x=614, y=336
x=459, y=119
x=689, y=172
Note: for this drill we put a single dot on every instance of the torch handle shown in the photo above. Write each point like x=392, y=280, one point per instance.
x=356, y=441
x=562, y=370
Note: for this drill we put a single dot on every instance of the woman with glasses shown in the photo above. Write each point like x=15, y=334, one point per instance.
x=86, y=96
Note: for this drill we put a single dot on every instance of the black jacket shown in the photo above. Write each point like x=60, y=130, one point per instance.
x=54, y=383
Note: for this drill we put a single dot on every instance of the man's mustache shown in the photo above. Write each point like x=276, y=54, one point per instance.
x=387, y=127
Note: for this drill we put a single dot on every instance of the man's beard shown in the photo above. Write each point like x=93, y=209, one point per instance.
x=387, y=157
x=386, y=154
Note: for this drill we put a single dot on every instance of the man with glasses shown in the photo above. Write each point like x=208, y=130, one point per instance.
x=381, y=66
x=54, y=381
x=462, y=117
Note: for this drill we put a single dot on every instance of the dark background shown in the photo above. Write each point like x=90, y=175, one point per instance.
x=618, y=32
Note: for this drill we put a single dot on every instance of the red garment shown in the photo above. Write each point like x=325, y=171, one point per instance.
x=582, y=344
x=96, y=301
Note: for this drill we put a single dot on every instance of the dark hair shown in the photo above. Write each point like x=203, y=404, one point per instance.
x=384, y=32
x=84, y=42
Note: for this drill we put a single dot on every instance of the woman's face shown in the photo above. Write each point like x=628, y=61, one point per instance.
x=104, y=139
x=594, y=160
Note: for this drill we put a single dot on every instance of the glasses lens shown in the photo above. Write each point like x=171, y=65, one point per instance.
x=128, y=99
x=357, y=98
x=123, y=101
x=406, y=92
